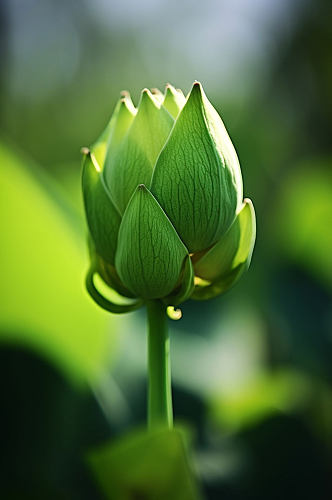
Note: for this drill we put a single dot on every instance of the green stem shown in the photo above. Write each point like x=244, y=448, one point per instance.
x=160, y=411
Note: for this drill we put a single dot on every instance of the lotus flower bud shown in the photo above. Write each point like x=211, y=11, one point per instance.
x=162, y=190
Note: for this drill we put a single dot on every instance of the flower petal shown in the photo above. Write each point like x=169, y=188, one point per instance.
x=105, y=302
x=197, y=177
x=174, y=100
x=102, y=216
x=132, y=163
x=150, y=254
x=115, y=130
x=186, y=287
x=222, y=266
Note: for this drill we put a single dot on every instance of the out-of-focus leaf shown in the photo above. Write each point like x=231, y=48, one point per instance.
x=43, y=301
x=303, y=218
x=281, y=391
x=146, y=465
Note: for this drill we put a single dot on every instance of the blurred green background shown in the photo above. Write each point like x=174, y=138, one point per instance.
x=252, y=370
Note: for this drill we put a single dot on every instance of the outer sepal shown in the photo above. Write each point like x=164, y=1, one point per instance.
x=106, y=303
x=132, y=163
x=223, y=265
x=109, y=275
x=102, y=216
x=197, y=178
x=186, y=287
x=150, y=254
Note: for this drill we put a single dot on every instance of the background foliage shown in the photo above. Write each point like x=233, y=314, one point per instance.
x=251, y=370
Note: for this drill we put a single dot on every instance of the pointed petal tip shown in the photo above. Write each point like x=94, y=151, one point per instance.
x=148, y=98
x=169, y=89
x=174, y=100
x=157, y=95
x=126, y=102
x=88, y=154
x=197, y=87
x=91, y=157
x=155, y=91
x=141, y=188
x=196, y=90
x=123, y=102
x=247, y=201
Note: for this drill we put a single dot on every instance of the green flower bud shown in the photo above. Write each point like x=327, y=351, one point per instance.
x=162, y=190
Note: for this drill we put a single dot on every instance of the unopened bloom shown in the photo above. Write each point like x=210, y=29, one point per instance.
x=164, y=201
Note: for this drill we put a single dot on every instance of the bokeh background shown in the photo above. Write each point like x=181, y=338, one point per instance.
x=252, y=370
